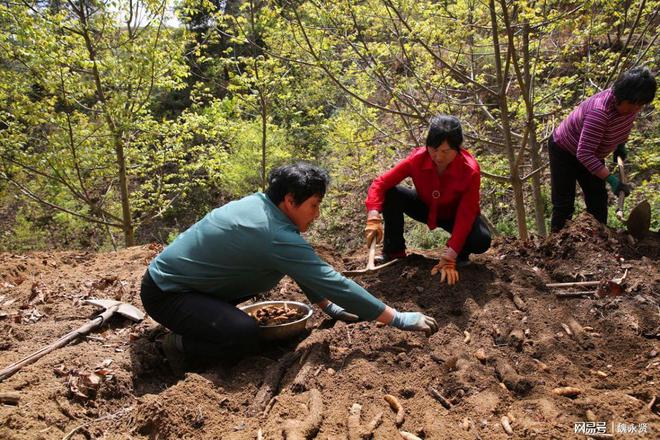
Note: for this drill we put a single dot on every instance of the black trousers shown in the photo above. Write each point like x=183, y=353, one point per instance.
x=565, y=171
x=210, y=327
x=400, y=200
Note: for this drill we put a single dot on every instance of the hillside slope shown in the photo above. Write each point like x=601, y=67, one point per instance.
x=516, y=354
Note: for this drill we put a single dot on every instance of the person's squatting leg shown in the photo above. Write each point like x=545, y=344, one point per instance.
x=563, y=176
x=209, y=327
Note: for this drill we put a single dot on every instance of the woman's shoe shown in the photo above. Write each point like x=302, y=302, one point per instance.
x=174, y=355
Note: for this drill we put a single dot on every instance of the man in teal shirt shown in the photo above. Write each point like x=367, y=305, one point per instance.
x=245, y=248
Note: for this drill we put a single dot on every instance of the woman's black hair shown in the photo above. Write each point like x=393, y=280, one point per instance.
x=445, y=127
x=636, y=86
x=301, y=179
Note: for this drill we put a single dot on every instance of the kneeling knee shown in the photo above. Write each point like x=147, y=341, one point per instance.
x=247, y=331
x=483, y=244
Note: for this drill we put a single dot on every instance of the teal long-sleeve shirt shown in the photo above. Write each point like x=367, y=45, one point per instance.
x=246, y=247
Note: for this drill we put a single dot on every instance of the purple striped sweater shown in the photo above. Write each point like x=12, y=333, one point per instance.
x=593, y=130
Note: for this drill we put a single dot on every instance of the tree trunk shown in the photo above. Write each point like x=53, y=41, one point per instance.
x=516, y=182
x=117, y=134
x=129, y=239
x=264, y=127
x=539, y=206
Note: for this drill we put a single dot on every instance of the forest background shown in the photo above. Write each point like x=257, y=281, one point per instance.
x=121, y=125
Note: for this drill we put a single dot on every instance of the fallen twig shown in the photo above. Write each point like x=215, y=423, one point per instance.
x=408, y=436
x=439, y=397
x=562, y=294
x=574, y=284
x=396, y=406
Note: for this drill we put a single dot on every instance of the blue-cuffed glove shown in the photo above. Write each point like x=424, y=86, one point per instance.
x=414, y=321
x=620, y=152
x=338, y=313
x=618, y=186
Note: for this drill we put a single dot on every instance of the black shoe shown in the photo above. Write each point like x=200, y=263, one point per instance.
x=176, y=358
x=463, y=260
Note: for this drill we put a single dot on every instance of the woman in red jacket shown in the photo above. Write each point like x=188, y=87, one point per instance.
x=446, y=179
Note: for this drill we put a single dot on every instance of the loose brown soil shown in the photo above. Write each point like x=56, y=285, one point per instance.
x=503, y=350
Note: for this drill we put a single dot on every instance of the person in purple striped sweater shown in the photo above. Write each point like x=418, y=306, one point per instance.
x=577, y=148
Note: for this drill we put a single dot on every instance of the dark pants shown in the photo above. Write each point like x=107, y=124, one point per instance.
x=209, y=326
x=400, y=200
x=565, y=171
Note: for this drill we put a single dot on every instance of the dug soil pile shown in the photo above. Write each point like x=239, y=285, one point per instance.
x=510, y=353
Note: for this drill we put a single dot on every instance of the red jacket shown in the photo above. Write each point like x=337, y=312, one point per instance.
x=452, y=195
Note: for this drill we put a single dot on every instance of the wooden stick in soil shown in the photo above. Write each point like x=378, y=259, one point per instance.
x=396, y=406
x=308, y=427
x=511, y=379
x=439, y=397
x=574, y=284
x=271, y=384
x=356, y=431
x=581, y=293
x=408, y=435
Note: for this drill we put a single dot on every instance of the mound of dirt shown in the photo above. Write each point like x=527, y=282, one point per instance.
x=509, y=349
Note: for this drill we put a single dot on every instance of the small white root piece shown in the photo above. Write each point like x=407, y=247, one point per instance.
x=571, y=392
x=506, y=424
x=467, y=338
x=408, y=436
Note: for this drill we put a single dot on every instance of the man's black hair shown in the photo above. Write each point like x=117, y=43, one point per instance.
x=637, y=86
x=301, y=179
x=445, y=127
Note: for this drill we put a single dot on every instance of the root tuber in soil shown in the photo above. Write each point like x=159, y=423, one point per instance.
x=511, y=379
x=307, y=428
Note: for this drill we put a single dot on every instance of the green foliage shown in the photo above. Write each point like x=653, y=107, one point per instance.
x=418, y=236
x=23, y=236
x=198, y=115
